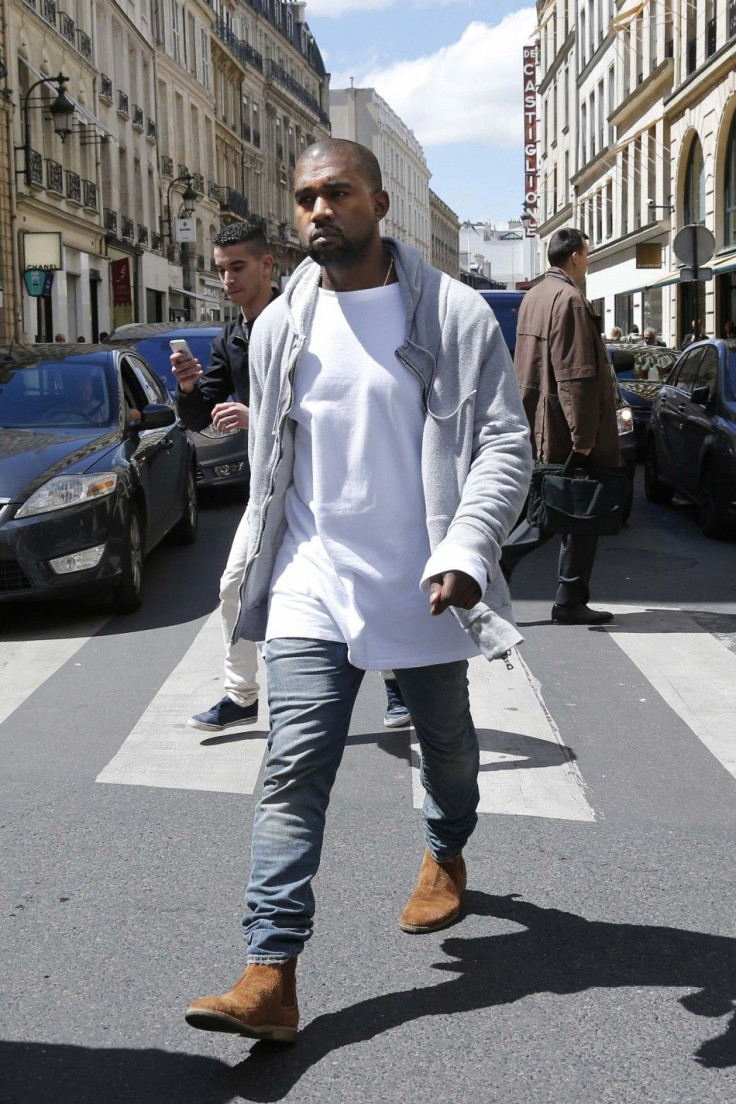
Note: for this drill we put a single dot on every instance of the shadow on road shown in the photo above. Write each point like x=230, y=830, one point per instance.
x=524, y=752
x=556, y=952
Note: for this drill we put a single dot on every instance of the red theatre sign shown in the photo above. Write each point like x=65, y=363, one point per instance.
x=530, y=132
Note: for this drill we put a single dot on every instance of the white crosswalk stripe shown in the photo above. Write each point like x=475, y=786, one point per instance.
x=163, y=751
x=525, y=768
x=692, y=670
x=26, y=664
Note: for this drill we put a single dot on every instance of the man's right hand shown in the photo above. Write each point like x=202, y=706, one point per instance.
x=187, y=371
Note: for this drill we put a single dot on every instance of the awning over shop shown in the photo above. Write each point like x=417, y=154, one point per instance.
x=657, y=282
x=191, y=294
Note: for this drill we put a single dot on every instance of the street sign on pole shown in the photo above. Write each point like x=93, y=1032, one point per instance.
x=694, y=245
x=688, y=274
x=185, y=230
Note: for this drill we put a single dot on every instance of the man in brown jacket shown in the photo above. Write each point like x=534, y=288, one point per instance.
x=567, y=391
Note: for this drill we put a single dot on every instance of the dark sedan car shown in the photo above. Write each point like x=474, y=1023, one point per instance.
x=95, y=470
x=640, y=371
x=691, y=444
x=222, y=458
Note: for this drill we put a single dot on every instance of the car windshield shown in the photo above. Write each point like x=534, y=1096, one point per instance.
x=156, y=350
x=644, y=362
x=60, y=393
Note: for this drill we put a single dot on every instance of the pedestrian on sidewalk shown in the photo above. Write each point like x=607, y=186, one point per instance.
x=389, y=458
x=221, y=397
x=568, y=396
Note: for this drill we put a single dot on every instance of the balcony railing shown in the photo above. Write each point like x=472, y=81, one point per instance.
x=710, y=39
x=137, y=116
x=90, y=194
x=167, y=166
x=54, y=176
x=73, y=186
x=242, y=50
x=127, y=228
x=67, y=27
x=84, y=45
x=233, y=201
x=35, y=167
x=182, y=170
x=257, y=139
x=246, y=132
x=110, y=220
x=106, y=87
x=277, y=73
x=150, y=128
x=142, y=235
x=122, y=103
x=213, y=190
x=157, y=242
x=48, y=11
x=31, y=4
x=198, y=183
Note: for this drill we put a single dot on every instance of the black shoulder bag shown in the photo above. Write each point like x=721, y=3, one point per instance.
x=580, y=499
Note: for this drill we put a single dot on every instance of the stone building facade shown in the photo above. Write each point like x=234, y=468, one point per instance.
x=636, y=128
x=361, y=115
x=212, y=95
x=445, y=236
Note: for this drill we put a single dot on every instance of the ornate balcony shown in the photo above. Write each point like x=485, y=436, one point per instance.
x=84, y=45
x=137, y=117
x=73, y=186
x=157, y=242
x=35, y=167
x=110, y=220
x=54, y=176
x=123, y=103
x=67, y=27
x=277, y=73
x=232, y=201
x=48, y=11
x=106, y=87
x=151, y=128
x=127, y=230
x=90, y=194
x=198, y=183
x=167, y=166
x=142, y=235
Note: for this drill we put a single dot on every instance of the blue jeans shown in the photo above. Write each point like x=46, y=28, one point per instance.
x=312, y=690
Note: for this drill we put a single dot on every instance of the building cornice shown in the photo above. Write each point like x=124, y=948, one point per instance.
x=555, y=222
x=644, y=94
x=720, y=64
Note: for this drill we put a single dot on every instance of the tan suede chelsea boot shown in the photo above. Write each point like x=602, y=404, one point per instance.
x=261, y=1005
x=435, y=903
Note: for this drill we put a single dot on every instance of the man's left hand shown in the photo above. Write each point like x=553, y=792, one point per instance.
x=228, y=416
x=453, y=588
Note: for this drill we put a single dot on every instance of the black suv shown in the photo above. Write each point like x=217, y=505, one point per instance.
x=691, y=443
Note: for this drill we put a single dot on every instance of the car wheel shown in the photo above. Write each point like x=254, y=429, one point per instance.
x=654, y=488
x=129, y=592
x=185, y=530
x=713, y=502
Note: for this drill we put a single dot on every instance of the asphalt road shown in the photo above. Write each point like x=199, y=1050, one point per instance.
x=596, y=958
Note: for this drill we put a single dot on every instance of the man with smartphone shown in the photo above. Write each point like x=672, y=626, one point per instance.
x=220, y=396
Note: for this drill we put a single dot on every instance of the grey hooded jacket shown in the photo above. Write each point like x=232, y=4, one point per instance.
x=476, y=457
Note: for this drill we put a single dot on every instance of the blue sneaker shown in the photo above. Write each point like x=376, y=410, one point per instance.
x=226, y=714
x=397, y=715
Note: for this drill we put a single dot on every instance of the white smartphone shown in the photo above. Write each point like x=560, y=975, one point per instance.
x=179, y=345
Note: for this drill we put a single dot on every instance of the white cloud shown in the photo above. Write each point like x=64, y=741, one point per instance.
x=470, y=90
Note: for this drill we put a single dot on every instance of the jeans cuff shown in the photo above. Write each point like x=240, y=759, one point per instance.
x=269, y=960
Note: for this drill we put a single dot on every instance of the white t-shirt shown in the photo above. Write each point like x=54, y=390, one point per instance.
x=356, y=547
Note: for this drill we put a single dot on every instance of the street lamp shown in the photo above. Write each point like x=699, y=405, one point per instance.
x=188, y=202
x=62, y=110
x=525, y=219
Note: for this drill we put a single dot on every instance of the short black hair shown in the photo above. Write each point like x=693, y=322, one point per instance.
x=564, y=243
x=364, y=159
x=238, y=233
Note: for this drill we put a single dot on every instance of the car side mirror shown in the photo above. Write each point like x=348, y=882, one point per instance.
x=156, y=416
x=701, y=395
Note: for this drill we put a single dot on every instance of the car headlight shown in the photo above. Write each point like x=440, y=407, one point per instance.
x=624, y=420
x=68, y=490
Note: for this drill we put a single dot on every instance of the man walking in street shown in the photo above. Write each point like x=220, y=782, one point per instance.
x=244, y=264
x=389, y=458
x=568, y=396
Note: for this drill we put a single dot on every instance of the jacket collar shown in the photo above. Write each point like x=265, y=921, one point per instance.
x=560, y=274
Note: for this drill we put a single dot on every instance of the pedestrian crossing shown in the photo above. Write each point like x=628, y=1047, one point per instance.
x=528, y=763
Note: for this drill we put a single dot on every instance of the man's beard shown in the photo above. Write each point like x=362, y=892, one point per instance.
x=338, y=250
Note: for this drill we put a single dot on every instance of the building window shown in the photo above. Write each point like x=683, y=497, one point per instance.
x=695, y=185
x=729, y=225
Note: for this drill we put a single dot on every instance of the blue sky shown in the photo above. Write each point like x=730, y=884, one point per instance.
x=451, y=69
